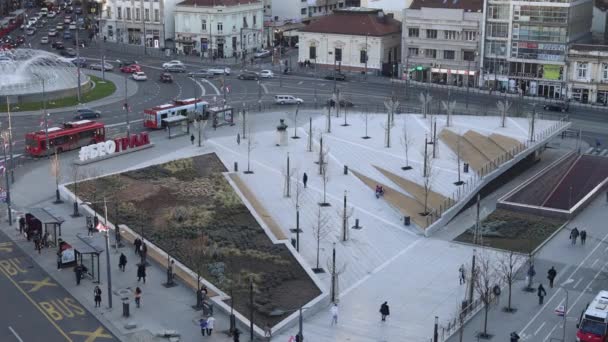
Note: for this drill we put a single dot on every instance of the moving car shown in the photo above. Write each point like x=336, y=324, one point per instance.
x=57, y=45
x=172, y=63
x=97, y=66
x=59, y=27
x=69, y=52
x=287, y=99
x=266, y=74
x=44, y=40
x=220, y=71
x=201, y=74
x=557, y=107
x=248, y=75
x=129, y=69
x=30, y=31
x=262, y=54
x=343, y=103
x=166, y=77
x=86, y=113
x=52, y=32
x=139, y=76
x=336, y=75
x=175, y=68
x=80, y=61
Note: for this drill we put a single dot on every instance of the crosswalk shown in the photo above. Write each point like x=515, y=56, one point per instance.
x=602, y=152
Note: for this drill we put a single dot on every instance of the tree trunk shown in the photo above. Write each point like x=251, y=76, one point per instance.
x=509, y=303
x=318, y=249
x=485, y=318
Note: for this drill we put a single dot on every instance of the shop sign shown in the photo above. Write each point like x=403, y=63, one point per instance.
x=110, y=147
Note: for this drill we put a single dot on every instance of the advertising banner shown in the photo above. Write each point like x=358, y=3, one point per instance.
x=551, y=72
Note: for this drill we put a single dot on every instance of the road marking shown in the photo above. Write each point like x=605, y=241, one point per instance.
x=217, y=91
x=539, y=328
x=6, y=247
x=15, y=333
x=300, y=82
x=203, y=91
x=595, y=262
x=92, y=336
x=38, y=284
x=37, y=306
x=576, y=284
x=264, y=87
x=550, y=332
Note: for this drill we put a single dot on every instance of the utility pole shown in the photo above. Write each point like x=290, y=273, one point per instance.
x=467, y=98
x=366, y=58
x=8, y=184
x=344, y=220
x=472, y=281
x=79, y=62
x=101, y=43
x=145, y=38
x=10, y=146
x=46, y=121
x=333, y=274
x=426, y=144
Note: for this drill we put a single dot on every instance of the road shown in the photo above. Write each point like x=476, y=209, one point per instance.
x=34, y=305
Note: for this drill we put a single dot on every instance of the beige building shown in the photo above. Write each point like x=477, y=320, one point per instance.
x=588, y=73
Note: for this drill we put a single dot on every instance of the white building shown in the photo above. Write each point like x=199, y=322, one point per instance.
x=220, y=28
x=394, y=7
x=125, y=21
x=598, y=24
x=353, y=38
x=294, y=11
x=588, y=73
x=441, y=41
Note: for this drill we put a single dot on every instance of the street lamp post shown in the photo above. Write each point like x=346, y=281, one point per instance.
x=109, y=274
x=126, y=106
x=10, y=143
x=6, y=180
x=46, y=121
x=570, y=280
x=78, y=64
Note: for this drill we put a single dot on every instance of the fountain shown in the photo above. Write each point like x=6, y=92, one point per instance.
x=22, y=72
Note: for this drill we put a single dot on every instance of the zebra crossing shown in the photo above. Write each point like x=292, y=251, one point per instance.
x=602, y=152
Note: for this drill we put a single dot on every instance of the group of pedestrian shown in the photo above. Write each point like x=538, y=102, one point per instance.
x=540, y=291
x=574, y=234
x=207, y=325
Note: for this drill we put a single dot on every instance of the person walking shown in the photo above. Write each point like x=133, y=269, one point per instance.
x=236, y=336
x=144, y=252
x=210, y=324
x=97, y=294
x=21, y=224
x=541, y=294
x=334, y=314
x=573, y=236
x=551, y=274
x=305, y=179
x=203, y=324
x=267, y=330
x=384, y=311
x=192, y=139
x=141, y=272
x=583, y=237
x=137, y=297
x=122, y=262
x=462, y=274
x=137, y=244
x=78, y=272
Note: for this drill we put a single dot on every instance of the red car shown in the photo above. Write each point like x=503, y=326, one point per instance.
x=129, y=69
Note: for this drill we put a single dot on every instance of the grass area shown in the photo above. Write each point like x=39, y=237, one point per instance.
x=102, y=89
x=513, y=231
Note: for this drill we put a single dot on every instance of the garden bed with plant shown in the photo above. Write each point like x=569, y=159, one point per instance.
x=187, y=208
x=513, y=231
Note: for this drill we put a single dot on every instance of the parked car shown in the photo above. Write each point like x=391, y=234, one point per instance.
x=175, y=68
x=262, y=54
x=287, y=99
x=220, y=71
x=69, y=52
x=59, y=27
x=557, y=107
x=52, y=32
x=67, y=19
x=129, y=69
x=97, y=66
x=57, y=45
x=44, y=40
x=201, y=74
x=85, y=113
x=336, y=75
x=67, y=35
x=266, y=74
x=72, y=26
x=166, y=77
x=20, y=40
x=30, y=31
x=343, y=103
x=139, y=76
x=248, y=75
x=51, y=15
x=172, y=63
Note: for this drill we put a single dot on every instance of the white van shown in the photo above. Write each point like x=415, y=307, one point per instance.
x=287, y=99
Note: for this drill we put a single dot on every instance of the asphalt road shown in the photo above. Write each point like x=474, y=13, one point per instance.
x=35, y=306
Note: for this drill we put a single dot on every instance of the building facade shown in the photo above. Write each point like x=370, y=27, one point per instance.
x=394, y=7
x=138, y=22
x=353, y=38
x=220, y=28
x=525, y=44
x=588, y=73
x=294, y=11
x=441, y=41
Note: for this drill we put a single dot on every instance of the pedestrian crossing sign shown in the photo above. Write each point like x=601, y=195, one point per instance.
x=560, y=311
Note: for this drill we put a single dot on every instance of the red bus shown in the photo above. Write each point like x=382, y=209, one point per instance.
x=153, y=117
x=70, y=136
x=594, y=320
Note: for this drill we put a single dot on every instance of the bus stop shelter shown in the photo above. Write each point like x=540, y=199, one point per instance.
x=221, y=116
x=50, y=225
x=177, y=126
x=87, y=253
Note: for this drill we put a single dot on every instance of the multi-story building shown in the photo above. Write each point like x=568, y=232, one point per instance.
x=441, y=41
x=138, y=22
x=394, y=7
x=355, y=38
x=588, y=73
x=525, y=44
x=219, y=28
x=294, y=11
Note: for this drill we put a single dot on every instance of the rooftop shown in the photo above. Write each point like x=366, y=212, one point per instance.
x=211, y=3
x=589, y=47
x=467, y=5
x=356, y=21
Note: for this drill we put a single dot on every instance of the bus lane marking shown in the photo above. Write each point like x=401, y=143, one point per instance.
x=92, y=336
x=38, y=284
x=11, y=267
x=60, y=309
x=6, y=247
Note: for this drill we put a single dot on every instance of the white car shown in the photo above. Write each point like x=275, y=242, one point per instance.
x=266, y=74
x=72, y=26
x=287, y=99
x=220, y=71
x=51, y=15
x=52, y=32
x=44, y=40
x=172, y=63
x=139, y=76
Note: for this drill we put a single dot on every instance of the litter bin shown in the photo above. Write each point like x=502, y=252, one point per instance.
x=406, y=220
x=466, y=167
x=125, y=307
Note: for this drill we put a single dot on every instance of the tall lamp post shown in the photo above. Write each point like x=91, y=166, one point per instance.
x=46, y=121
x=6, y=138
x=78, y=64
x=570, y=280
x=101, y=39
x=105, y=228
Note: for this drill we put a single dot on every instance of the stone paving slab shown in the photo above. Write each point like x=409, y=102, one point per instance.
x=486, y=146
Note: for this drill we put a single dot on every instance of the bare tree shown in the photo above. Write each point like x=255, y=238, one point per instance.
x=485, y=280
x=295, y=122
x=325, y=179
x=296, y=199
x=425, y=100
x=449, y=107
x=458, y=160
x=428, y=185
x=244, y=116
x=323, y=152
x=507, y=267
x=309, y=147
x=287, y=172
x=320, y=230
x=345, y=213
x=328, y=120
x=366, y=119
x=56, y=172
x=251, y=145
x=503, y=107
x=406, y=142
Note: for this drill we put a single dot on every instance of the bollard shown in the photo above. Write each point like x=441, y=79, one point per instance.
x=466, y=168
x=406, y=220
x=236, y=167
x=345, y=169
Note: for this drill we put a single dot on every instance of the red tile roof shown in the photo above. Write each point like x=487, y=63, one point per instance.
x=467, y=5
x=355, y=21
x=210, y=3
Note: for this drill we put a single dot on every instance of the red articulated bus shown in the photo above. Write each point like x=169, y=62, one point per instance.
x=69, y=136
x=153, y=117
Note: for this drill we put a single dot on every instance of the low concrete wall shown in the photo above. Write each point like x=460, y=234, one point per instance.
x=85, y=86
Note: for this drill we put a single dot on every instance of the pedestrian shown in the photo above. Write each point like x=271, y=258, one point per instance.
x=236, y=336
x=137, y=244
x=384, y=311
x=210, y=324
x=583, y=237
x=462, y=274
x=37, y=244
x=78, y=272
x=267, y=330
x=141, y=272
x=122, y=262
x=238, y=139
x=97, y=293
x=21, y=224
x=573, y=236
x=192, y=139
x=203, y=324
x=551, y=275
x=137, y=297
x=541, y=294
x=305, y=179
x=59, y=259
x=144, y=252
x=334, y=314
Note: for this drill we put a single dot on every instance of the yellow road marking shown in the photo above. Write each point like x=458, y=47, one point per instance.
x=67, y=338
x=38, y=284
x=6, y=247
x=92, y=336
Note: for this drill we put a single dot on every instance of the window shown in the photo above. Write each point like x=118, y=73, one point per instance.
x=498, y=11
x=109, y=12
x=245, y=22
x=605, y=71
x=362, y=56
x=147, y=14
x=430, y=53
x=119, y=13
x=470, y=35
x=431, y=34
x=254, y=21
x=468, y=56
x=338, y=54
x=137, y=14
x=498, y=30
x=156, y=14
x=203, y=24
x=450, y=35
x=581, y=70
x=303, y=11
x=448, y=54
x=413, y=32
x=220, y=27
x=312, y=52
x=128, y=13
x=412, y=52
